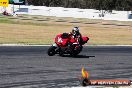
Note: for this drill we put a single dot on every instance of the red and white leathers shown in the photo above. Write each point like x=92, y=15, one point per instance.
x=74, y=38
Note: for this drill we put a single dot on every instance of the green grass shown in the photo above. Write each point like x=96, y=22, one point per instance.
x=6, y=20
x=9, y=21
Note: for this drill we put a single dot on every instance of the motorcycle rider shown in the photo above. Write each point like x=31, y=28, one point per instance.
x=75, y=34
x=72, y=36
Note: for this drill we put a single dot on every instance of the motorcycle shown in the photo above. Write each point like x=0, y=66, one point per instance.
x=67, y=45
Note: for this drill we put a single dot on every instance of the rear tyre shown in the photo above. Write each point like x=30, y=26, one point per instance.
x=51, y=51
x=74, y=53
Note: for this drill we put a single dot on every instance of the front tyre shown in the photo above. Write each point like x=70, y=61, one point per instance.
x=51, y=51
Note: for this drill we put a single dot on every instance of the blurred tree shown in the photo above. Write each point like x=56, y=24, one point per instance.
x=86, y=4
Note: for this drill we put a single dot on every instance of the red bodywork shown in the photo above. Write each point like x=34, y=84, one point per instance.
x=60, y=41
x=63, y=41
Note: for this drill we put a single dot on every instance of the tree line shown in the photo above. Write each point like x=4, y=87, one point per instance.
x=85, y=4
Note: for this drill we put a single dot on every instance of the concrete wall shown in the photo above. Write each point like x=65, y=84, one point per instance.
x=70, y=12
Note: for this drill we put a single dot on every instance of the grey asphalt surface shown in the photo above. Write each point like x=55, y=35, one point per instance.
x=31, y=67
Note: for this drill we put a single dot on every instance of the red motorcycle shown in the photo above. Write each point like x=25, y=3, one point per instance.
x=65, y=44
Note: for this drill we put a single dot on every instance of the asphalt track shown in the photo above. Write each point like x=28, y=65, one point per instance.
x=31, y=67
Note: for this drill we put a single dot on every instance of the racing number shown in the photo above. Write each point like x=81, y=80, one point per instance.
x=60, y=40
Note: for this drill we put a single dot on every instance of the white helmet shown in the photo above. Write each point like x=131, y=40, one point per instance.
x=75, y=30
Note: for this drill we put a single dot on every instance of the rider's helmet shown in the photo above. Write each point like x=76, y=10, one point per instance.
x=75, y=31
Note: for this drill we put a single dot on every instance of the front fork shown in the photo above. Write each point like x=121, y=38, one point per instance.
x=57, y=48
x=55, y=45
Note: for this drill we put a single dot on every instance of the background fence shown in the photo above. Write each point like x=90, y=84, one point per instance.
x=69, y=12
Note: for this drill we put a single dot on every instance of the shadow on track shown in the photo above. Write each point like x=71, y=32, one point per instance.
x=83, y=56
x=78, y=56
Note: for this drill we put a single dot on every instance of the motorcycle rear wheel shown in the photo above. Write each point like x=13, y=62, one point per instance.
x=74, y=53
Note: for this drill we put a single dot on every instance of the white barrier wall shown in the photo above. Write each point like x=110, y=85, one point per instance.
x=69, y=12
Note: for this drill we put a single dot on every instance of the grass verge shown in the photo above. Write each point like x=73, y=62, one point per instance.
x=31, y=31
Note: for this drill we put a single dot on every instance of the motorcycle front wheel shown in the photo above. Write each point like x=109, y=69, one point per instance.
x=51, y=51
